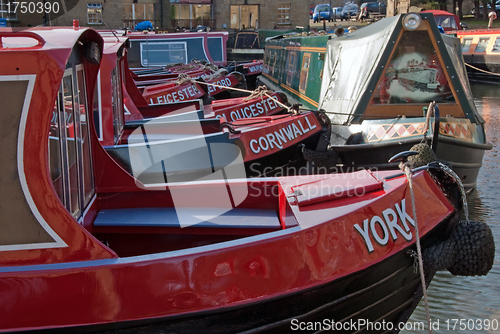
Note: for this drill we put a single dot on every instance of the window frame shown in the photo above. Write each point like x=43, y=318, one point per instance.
x=144, y=47
x=97, y=15
x=283, y=10
x=81, y=169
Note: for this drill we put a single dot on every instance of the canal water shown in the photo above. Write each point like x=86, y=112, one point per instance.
x=473, y=301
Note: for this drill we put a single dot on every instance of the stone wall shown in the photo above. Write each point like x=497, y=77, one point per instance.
x=112, y=14
x=268, y=13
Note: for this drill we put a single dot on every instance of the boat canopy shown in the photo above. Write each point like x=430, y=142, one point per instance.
x=446, y=20
x=383, y=71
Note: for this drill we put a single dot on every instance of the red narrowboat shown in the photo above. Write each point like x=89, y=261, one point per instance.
x=85, y=247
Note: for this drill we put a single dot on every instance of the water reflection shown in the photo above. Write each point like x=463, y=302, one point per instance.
x=474, y=298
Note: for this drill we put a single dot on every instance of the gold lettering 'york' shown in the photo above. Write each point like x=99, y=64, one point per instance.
x=388, y=226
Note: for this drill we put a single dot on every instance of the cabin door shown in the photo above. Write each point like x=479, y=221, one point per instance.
x=69, y=144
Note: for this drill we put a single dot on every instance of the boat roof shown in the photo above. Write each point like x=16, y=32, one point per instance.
x=442, y=16
x=355, y=63
x=48, y=37
x=437, y=12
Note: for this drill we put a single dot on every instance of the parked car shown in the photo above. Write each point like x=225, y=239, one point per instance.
x=497, y=9
x=349, y=11
x=323, y=12
x=374, y=7
x=337, y=13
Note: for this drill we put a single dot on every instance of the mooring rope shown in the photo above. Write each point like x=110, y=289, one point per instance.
x=481, y=70
x=406, y=168
x=246, y=91
x=258, y=92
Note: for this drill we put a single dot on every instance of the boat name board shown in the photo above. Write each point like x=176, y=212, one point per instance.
x=283, y=136
x=254, y=69
x=265, y=106
x=227, y=81
x=187, y=93
x=388, y=226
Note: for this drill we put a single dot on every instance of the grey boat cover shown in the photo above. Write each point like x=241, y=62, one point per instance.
x=355, y=62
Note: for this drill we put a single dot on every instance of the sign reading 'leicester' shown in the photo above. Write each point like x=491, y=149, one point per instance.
x=177, y=94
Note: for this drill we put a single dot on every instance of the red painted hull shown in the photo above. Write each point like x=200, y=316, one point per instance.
x=219, y=278
x=124, y=254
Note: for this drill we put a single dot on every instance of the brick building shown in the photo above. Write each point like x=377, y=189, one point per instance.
x=216, y=14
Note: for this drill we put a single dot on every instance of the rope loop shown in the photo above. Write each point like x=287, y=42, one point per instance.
x=260, y=91
x=183, y=78
x=217, y=74
x=211, y=67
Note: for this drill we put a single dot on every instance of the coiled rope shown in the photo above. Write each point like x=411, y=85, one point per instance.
x=218, y=73
x=290, y=110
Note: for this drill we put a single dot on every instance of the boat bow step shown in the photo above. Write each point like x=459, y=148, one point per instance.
x=202, y=217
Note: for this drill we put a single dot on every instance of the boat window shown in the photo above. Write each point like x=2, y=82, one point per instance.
x=304, y=73
x=496, y=46
x=88, y=180
x=466, y=43
x=163, y=53
x=118, y=122
x=68, y=114
x=96, y=107
x=55, y=166
x=291, y=67
x=446, y=22
x=482, y=44
x=69, y=148
x=414, y=74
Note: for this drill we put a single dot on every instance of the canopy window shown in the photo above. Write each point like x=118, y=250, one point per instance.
x=414, y=74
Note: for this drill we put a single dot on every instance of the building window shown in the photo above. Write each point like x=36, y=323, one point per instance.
x=94, y=13
x=191, y=15
x=284, y=13
x=134, y=13
x=4, y=10
x=245, y=17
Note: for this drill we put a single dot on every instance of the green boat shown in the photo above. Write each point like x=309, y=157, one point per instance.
x=386, y=87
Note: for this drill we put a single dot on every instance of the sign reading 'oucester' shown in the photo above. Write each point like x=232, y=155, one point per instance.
x=265, y=106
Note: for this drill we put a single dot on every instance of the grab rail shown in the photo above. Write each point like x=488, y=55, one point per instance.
x=22, y=34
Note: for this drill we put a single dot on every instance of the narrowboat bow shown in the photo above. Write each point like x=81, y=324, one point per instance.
x=87, y=248
x=176, y=130
x=376, y=84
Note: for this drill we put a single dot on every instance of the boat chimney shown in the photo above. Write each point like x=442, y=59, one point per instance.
x=76, y=24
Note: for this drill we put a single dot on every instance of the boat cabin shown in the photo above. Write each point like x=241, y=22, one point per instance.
x=158, y=50
x=481, y=51
x=376, y=84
